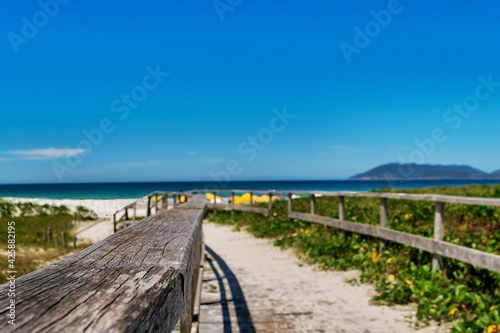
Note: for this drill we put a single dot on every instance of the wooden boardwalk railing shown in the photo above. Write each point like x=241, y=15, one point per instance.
x=435, y=245
x=141, y=279
x=145, y=277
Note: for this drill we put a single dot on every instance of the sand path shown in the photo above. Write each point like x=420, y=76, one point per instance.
x=284, y=295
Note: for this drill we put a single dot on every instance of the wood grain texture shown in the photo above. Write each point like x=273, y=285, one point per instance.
x=137, y=280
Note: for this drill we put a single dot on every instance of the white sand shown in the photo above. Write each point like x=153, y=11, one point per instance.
x=103, y=208
x=91, y=231
x=275, y=281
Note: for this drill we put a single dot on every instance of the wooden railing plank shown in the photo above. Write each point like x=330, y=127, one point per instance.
x=138, y=279
x=467, y=255
x=388, y=195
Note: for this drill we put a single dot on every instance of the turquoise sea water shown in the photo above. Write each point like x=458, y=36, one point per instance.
x=137, y=190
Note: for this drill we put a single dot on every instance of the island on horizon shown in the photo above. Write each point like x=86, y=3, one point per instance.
x=413, y=171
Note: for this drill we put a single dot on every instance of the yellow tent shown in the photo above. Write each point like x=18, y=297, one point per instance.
x=210, y=197
x=154, y=198
x=245, y=198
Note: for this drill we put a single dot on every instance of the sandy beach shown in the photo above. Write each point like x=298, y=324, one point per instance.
x=91, y=231
x=103, y=208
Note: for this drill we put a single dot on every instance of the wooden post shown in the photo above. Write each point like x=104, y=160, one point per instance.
x=270, y=206
x=135, y=210
x=64, y=241
x=50, y=232
x=251, y=199
x=126, y=213
x=166, y=201
x=156, y=203
x=232, y=204
x=290, y=204
x=186, y=321
x=313, y=204
x=215, y=202
x=342, y=212
x=174, y=197
x=55, y=240
x=148, y=210
x=114, y=223
x=74, y=241
x=437, y=261
x=383, y=220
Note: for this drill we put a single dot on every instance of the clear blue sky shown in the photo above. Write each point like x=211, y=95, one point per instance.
x=227, y=76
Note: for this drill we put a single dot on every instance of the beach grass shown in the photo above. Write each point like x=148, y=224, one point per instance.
x=31, y=225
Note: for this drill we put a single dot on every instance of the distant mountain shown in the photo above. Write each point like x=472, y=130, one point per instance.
x=496, y=173
x=424, y=172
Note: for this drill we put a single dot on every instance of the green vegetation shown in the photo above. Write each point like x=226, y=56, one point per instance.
x=463, y=294
x=31, y=222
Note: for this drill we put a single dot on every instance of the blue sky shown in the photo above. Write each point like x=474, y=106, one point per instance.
x=228, y=79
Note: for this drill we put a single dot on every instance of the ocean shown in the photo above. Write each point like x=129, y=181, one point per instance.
x=138, y=190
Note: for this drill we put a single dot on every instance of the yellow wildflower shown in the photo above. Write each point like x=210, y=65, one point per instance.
x=389, y=260
x=391, y=277
x=408, y=282
x=453, y=311
x=274, y=214
x=421, y=293
x=362, y=248
x=301, y=230
x=493, y=308
x=374, y=257
x=295, y=220
x=307, y=232
x=491, y=328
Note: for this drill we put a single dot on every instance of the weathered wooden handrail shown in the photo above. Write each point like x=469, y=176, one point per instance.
x=140, y=279
x=437, y=246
